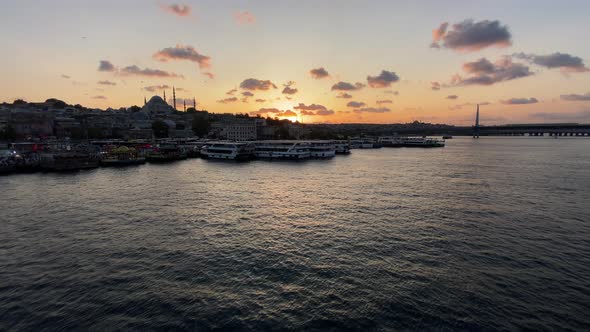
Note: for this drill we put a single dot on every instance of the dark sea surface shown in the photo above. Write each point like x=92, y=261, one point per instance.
x=484, y=234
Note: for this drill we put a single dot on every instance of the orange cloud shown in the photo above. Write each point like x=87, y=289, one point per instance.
x=178, y=10
x=244, y=18
x=183, y=52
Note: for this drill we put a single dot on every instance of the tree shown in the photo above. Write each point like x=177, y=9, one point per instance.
x=57, y=103
x=201, y=125
x=160, y=129
x=134, y=108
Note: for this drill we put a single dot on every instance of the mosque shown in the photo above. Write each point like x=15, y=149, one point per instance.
x=157, y=107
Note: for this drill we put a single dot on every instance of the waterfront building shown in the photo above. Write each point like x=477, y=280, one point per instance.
x=239, y=130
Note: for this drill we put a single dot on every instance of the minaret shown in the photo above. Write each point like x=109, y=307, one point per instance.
x=195, y=103
x=174, y=97
x=184, y=101
x=476, y=128
x=144, y=101
x=165, y=97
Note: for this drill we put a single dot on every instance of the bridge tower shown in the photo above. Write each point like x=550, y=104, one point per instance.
x=476, y=127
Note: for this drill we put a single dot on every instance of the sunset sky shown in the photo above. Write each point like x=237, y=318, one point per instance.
x=396, y=61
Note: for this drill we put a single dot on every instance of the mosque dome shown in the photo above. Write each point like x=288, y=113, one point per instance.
x=156, y=106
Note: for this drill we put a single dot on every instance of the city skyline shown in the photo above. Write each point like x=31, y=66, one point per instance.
x=330, y=62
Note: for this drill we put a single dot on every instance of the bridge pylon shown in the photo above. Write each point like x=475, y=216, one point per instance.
x=476, y=127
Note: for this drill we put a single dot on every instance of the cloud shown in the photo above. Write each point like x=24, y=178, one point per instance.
x=148, y=72
x=244, y=18
x=385, y=101
x=345, y=86
x=452, y=97
x=65, y=76
x=287, y=114
x=247, y=94
x=356, y=104
x=106, y=82
x=106, y=66
x=566, y=62
x=288, y=90
x=319, y=73
x=460, y=106
x=519, y=101
x=438, y=34
x=231, y=92
x=471, y=36
x=344, y=95
x=383, y=80
x=435, y=85
x=324, y=112
x=228, y=100
x=313, y=109
x=183, y=52
x=260, y=100
x=395, y=93
x=99, y=97
x=179, y=10
x=156, y=88
x=210, y=75
x=254, y=84
x=583, y=115
x=484, y=72
x=372, y=110
x=576, y=97
x=266, y=111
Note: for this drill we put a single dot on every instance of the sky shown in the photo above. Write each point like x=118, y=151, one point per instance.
x=322, y=61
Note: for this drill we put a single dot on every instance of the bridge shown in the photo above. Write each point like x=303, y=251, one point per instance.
x=540, y=129
x=531, y=129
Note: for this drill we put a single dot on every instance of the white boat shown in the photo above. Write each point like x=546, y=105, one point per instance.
x=228, y=150
x=361, y=144
x=293, y=150
x=412, y=142
x=342, y=147
x=322, y=149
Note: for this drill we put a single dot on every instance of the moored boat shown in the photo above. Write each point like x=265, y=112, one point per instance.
x=411, y=142
x=342, y=147
x=322, y=149
x=165, y=153
x=228, y=150
x=282, y=150
x=122, y=156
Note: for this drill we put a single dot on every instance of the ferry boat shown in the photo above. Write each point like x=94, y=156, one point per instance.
x=290, y=150
x=342, y=147
x=165, y=152
x=122, y=156
x=412, y=142
x=322, y=149
x=363, y=144
x=228, y=150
